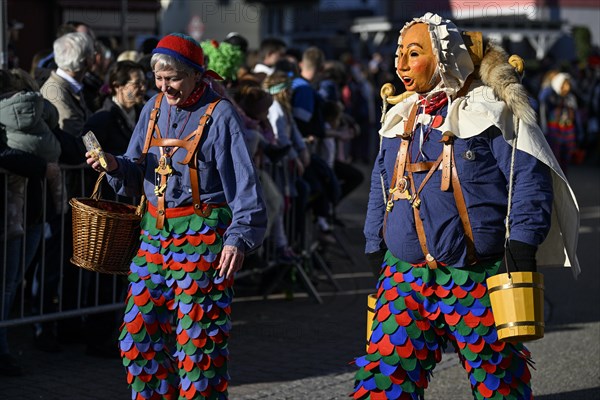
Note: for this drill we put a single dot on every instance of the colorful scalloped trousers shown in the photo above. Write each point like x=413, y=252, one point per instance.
x=173, y=339
x=418, y=311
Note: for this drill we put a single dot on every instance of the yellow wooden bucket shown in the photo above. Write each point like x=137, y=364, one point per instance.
x=518, y=305
x=371, y=301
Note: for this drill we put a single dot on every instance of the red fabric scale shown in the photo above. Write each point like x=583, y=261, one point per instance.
x=487, y=318
x=204, y=363
x=199, y=341
x=423, y=324
x=411, y=303
x=371, y=366
x=478, y=291
x=471, y=320
x=360, y=393
x=485, y=392
x=136, y=325
x=489, y=368
x=427, y=290
x=145, y=377
x=386, y=347
x=398, y=277
x=478, y=346
x=183, y=338
x=504, y=389
x=416, y=287
x=191, y=393
x=421, y=354
x=498, y=346
x=383, y=313
x=403, y=319
x=452, y=318
x=161, y=372
x=398, y=377
x=193, y=289
x=377, y=395
x=152, y=328
x=221, y=386
x=459, y=292
x=218, y=361
x=391, y=295
x=441, y=292
x=405, y=350
x=131, y=354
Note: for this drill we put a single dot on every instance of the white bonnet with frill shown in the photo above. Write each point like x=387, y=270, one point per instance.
x=454, y=61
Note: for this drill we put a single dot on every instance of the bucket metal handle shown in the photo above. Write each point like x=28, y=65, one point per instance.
x=511, y=178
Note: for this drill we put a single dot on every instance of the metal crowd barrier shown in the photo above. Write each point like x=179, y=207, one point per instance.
x=44, y=284
x=51, y=288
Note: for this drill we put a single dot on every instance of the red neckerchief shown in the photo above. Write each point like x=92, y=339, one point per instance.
x=194, y=96
x=433, y=104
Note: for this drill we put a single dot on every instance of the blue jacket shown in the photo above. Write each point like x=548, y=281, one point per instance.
x=483, y=165
x=225, y=168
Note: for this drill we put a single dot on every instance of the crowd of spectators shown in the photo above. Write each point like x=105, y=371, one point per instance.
x=311, y=128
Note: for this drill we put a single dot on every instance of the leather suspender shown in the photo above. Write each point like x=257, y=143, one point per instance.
x=464, y=215
x=152, y=125
x=449, y=180
x=400, y=165
x=190, y=143
x=191, y=159
x=447, y=160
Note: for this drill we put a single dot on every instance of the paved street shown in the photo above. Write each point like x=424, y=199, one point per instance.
x=298, y=349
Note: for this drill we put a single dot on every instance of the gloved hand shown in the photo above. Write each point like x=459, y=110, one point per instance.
x=376, y=260
x=276, y=153
x=519, y=257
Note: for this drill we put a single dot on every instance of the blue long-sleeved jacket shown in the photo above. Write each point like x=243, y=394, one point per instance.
x=483, y=176
x=225, y=168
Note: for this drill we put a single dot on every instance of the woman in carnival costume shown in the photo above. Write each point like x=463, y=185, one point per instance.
x=205, y=211
x=436, y=215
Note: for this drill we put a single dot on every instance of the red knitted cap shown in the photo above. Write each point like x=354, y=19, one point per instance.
x=185, y=49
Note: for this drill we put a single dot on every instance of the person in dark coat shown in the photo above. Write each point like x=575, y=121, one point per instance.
x=113, y=123
x=113, y=126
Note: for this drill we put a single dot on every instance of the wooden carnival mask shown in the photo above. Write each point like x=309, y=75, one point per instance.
x=417, y=64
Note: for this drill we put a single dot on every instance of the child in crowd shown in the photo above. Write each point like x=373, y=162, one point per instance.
x=27, y=119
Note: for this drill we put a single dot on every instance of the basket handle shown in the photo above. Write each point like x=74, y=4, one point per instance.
x=97, y=187
x=140, y=209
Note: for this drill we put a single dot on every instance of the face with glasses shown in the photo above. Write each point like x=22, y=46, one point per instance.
x=132, y=92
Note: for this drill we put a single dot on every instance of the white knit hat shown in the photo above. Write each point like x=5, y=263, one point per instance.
x=558, y=81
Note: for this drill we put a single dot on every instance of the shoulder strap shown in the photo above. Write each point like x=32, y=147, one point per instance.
x=192, y=157
x=401, y=159
x=415, y=202
x=464, y=215
x=205, y=120
x=152, y=125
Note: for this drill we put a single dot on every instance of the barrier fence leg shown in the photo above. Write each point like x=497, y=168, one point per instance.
x=322, y=264
x=343, y=247
x=308, y=283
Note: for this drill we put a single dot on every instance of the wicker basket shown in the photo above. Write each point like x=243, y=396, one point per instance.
x=106, y=234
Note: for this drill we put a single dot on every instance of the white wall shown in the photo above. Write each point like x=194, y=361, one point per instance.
x=589, y=17
x=218, y=21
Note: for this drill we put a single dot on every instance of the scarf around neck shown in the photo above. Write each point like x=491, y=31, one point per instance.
x=433, y=103
x=194, y=96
